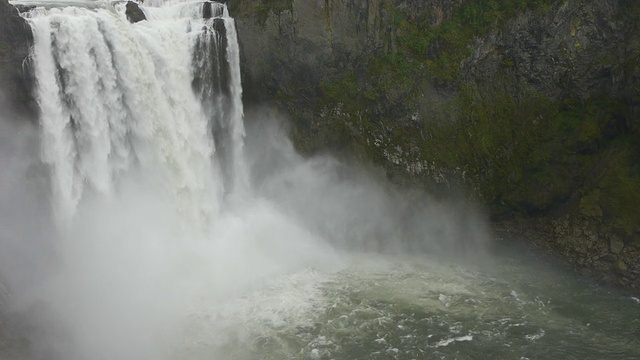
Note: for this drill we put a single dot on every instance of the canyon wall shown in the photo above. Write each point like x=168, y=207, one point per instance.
x=532, y=107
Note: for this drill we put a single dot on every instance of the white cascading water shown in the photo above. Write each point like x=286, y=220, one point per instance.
x=143, y=136
x=117, y=97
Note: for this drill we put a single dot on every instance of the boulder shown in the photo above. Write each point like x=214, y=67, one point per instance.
x=134, y=13
x=616, y=245
x=620, y=267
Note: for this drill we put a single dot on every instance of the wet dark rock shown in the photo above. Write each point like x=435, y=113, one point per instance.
x=573, y=50
x=206, y=10
x=621, y=267
x=24, y=8
x=212, y=9
x=16, y=81
x=219, y=27
x=616, y=245
x=606, y=258
x=134, y=13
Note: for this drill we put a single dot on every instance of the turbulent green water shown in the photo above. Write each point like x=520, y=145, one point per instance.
x=399, y=308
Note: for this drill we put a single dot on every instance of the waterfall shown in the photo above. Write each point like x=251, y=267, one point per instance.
x=160, y=98
x=160, y=248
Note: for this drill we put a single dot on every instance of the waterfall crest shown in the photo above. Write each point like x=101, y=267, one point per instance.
x=161, y=98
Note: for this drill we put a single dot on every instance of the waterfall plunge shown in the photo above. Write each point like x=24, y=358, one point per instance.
x=118, y=97
x=142, y=132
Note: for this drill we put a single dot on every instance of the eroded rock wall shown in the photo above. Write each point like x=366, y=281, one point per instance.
x=16, y=82
x=532, y=106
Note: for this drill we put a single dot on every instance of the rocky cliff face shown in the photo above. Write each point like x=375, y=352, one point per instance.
x=533, y=106
x=574, y=49
x=15, y=81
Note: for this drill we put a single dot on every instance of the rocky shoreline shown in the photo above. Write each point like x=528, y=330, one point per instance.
x=604, y=259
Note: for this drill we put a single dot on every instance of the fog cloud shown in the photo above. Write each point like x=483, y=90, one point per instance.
x=126, y=279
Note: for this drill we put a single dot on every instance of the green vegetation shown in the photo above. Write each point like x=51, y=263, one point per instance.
x=260, y=10
x=441, y=46
x=528, y=153
x=265, y=7
x=519, y=151
x=620, y=181
x=424, y=52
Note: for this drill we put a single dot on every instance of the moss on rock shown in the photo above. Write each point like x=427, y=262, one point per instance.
x=490, y=96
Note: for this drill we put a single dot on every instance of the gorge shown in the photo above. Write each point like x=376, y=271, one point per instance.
x=318, y=179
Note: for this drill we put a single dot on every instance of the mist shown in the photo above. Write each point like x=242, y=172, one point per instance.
x=351, y=205
x=26, y=252
x=132, y=277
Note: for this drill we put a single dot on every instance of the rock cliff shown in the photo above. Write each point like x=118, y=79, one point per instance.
x=15, y=81
x=532, y=106
x=133, y=12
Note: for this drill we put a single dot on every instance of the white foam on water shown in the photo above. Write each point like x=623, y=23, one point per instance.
x=535, y=336
x=447, y=342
